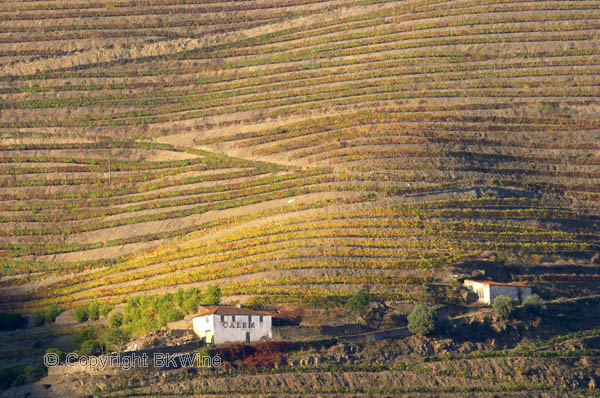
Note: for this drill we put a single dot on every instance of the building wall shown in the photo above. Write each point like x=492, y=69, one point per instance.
x=203, y=323
x=229, y=330
x=481, y=289
x=488, y=293
x=525, y=292
x=226, y=329
x=514, y=292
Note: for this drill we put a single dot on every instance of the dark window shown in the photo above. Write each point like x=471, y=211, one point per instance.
x=222, y=318
x=261, y=318
x=233, y=318
x=249, y=318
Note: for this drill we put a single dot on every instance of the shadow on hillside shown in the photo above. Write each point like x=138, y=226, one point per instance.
x=568, y=317
x=474, y=331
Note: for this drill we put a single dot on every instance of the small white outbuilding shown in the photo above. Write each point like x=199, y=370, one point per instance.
x=487, y=291
x=221, y=324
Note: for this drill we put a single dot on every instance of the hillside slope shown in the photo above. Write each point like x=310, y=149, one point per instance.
x=298, y=149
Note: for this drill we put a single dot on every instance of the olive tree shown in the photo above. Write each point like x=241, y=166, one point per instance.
x=358, y=301
x=421, y=320
x=503, y=305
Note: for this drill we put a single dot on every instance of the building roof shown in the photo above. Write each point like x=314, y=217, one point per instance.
x=498, y=283
x=229, y=310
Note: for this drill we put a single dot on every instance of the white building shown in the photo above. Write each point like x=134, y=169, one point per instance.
x=487, y=291
x=220, y=324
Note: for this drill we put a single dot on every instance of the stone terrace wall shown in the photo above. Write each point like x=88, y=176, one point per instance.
x=312, y=332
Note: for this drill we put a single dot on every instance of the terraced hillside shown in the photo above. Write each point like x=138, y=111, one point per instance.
x=295, y=150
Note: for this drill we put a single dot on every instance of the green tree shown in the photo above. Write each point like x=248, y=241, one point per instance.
x=190, y=305
x=90, y=347
x=115, y=320
x=145, y=313
x=533, y=304
x=81, y=335
x=421, y=320
x=169, y=314
x=38, y=318
x=115, y=338
x=81, y=313
x=52, y=312
x=179, y=296
x=31, y=374
x=189, y=300
x=211, y=295
x=105, y=309
x=503, y=306
x=93, y=311
x=358, y=301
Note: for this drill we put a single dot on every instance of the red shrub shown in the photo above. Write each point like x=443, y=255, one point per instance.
x=235, y=352
x=273, y=346
x=264, y=354
x=262, y=359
